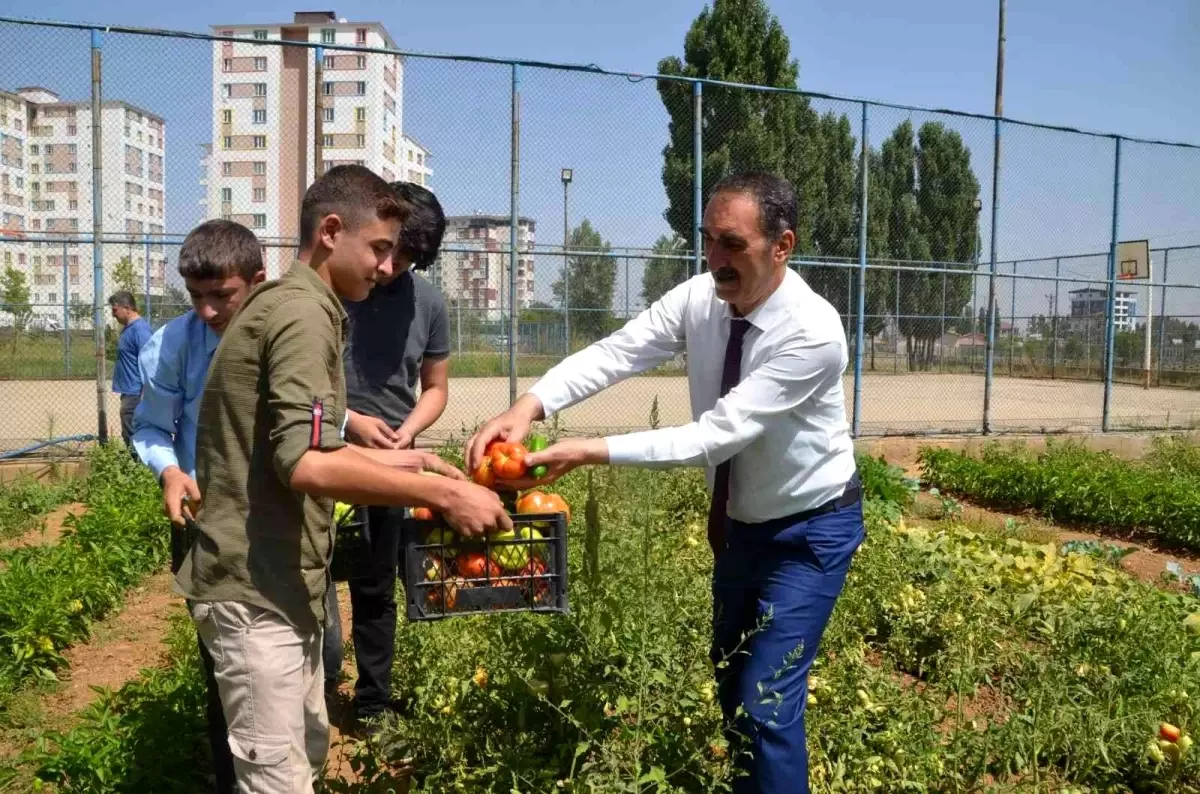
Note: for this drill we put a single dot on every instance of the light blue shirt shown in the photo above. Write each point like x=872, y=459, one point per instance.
x=173, y=366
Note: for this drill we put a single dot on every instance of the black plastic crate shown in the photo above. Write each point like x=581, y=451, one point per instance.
x=444, y=575
x=351, y=547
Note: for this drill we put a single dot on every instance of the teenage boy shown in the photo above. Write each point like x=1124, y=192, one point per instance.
x=270, y=461
x=398, y=335
x=220, y=262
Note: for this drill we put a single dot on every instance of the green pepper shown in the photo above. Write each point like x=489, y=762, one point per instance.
x=537, y=444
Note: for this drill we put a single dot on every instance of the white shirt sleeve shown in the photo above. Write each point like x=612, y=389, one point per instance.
x=652, y=338
x=783, y=383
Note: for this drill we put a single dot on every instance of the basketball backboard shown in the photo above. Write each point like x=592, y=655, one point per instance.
x=1133, y=259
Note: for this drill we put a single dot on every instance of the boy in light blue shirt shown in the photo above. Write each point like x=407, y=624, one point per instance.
x=221, y=263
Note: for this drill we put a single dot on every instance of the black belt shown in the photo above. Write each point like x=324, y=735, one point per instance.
x=851, y=496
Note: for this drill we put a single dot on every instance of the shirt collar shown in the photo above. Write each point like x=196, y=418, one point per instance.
x=774, y=308
x=307, y=276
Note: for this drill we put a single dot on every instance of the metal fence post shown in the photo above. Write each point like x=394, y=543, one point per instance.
x=146, y=270
x=514, y=222
x=626, y=289
x=66, y=315
x=860, y=320
x=98, y=244
x=1054, y=323
x=1162, y=313
x=1012, y=319
x=1110, y=323
x=697, y=173
x=989, y=349
x=941, y=346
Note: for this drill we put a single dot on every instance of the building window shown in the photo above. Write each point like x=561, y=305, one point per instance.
x=327, y=88
x=360, y=140
x=128, y=204
x=360, y=114
x=227, y=116
x=74, y=224
x=329, y=62
x=327, y=141
x=52, y=297
x=226, y=194
x=260, y=194
x=226, y=91
x=260, y=168
x=360, y=36
x=73, y=204
x=227, y=142
x=226, y=169
x=260, y=117
x=260, y=141
x=260, y=64
x=33, y=148
x=261, y=35
x=361, y=62
x=328, y=35
x=360, y=88
x=72, y=129
x=260, y=221
x=327, y=114
x=420, y=159
x=227, y=64
x=260, y=89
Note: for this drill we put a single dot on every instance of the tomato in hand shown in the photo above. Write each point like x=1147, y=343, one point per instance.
x=484, y=475
x=508, y=460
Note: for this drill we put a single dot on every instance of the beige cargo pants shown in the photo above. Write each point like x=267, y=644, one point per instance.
x=271, y=683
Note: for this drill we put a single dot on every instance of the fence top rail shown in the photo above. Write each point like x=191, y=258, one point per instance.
x=635, y=77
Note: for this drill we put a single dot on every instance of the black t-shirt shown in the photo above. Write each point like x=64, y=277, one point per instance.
x=391, y=332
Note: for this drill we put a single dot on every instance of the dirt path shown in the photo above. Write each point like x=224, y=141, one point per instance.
x=48, y=531
x=1147, y=563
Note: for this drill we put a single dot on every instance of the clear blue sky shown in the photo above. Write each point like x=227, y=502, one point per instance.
x=1101, y=65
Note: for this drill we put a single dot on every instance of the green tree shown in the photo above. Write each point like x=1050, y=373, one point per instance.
x=173, y=303
x=836, y=232
x=592, y=281
x=123, y=276
x=662, y=273
x=79, y=311
x=14, y=292
x=740, y=41
x=881, y=282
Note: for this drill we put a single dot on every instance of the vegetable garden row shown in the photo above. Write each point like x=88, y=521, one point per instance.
x=956, y=660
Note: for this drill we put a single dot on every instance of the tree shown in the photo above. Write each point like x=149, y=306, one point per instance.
x=174, y=303
x=836, y=231
x=663, y=273
x=14, y=291
x=592, y=281
x=740, y=41
x=881, y=283
x=123, y=276
x=79, y=311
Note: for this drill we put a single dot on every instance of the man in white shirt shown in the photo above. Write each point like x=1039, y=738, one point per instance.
x=765, y=357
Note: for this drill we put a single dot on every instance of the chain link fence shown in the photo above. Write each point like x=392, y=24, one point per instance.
x=574, y=197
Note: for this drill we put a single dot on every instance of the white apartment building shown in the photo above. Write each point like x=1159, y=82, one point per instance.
x=46, y=191
x=272, y=122
x=1089, y=308
x=472, y=269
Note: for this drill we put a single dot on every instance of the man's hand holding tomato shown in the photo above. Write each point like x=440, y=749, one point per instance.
x=511, y=426
x=561, y=458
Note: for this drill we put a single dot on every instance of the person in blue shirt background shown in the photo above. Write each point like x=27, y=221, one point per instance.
x=135, y=332
x=221, y=263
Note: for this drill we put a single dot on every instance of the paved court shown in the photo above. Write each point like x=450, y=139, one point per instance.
x=909, y=403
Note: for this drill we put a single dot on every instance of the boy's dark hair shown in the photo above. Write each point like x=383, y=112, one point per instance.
x=424, y=224
x=220, y=249
x=775, y=196
x=123, y=298
x=353, y=193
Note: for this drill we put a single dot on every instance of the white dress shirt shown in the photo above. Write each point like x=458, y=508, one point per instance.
x=784, y=424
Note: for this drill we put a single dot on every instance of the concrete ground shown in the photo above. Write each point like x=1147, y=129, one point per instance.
x=892, y=404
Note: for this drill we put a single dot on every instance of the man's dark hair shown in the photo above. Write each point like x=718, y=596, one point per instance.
x=220, y=249
x=123, y=298
x=775, y=196
x=353, y=193
x=424, y=224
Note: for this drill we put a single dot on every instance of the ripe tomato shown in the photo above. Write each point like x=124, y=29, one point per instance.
x=508, y=460
x=533, y=502
x=476, y=565
x=422, y=514
x=484, y=475
x=556, y=504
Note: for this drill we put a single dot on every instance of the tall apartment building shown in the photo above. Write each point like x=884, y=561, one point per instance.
x=46, y=191
x=1089, y=308
x=266, y=124
x=472, y=270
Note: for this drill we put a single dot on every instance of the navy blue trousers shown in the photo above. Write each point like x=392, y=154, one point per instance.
x=774, y=588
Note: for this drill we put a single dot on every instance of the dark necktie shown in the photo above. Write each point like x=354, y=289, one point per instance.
x=730, y=375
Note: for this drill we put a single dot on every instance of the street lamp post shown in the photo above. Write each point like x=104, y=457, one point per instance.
x=567, y=175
